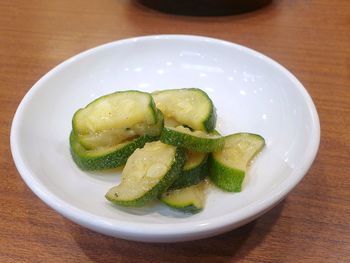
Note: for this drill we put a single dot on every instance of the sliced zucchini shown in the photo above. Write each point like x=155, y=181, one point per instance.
x=107, y=138
x=105, y=158
x=189, y=199
x=197, y=141
x=169, y=122
x=122, y=109
x=191, y=107
x=194, y=171
x=147, y=174
x=116, y=136
x=228, y=166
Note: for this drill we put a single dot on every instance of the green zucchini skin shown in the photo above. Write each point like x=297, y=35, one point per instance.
x=210, y=123
x=88, y=160
x=192, y=176
x=189, y=200
x=161, y=187
x=228, y=177
x=191, y=142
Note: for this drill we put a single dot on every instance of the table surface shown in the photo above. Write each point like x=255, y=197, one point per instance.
x=311, y=38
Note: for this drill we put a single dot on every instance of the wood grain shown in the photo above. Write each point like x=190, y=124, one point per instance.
x=309, y=37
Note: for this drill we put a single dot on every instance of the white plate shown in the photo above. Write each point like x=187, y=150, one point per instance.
x=251, y=92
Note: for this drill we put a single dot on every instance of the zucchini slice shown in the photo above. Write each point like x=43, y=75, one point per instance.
x=147, y=174
x=195, y=170
x=197, y=141
x=170, y=122
x=105, y=158
x=188, y=200
x=190, y=106
x=116, y=136
x=122, y=109
x=228, y=166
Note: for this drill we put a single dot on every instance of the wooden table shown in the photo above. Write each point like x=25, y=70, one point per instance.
x=311, y=38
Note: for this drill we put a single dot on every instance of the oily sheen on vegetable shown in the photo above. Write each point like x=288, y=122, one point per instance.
x=168, y=144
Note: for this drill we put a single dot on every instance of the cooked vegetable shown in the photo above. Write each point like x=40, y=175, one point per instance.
x=168, y=144
x=197, y=141
x=114, y=118
x=194, y=171
x=191, y=107
x=113, y=137
x=108, y=157
x=189, y=200
x=147, y=174
x=228, y=166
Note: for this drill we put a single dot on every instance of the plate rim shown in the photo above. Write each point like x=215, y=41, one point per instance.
x=163, y=232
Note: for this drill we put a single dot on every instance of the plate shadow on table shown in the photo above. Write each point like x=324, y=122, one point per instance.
x=235, y=244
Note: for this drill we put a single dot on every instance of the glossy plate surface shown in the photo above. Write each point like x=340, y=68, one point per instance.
x=251, y=92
